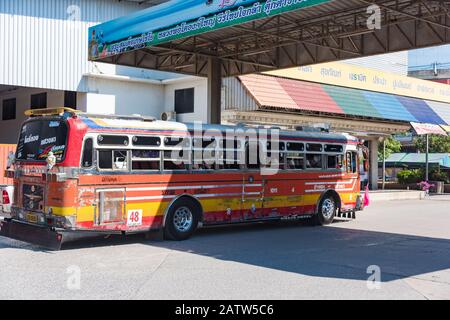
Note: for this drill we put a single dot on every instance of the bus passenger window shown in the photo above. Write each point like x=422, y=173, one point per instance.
x=120, y=160
x=147, y=141
x=86, y=161
x=295, y=146
x=105, y=159
x=274, y=154
x=229, y=160
x=109, y=159
x=203, y=154
x=314, y=147
x=354, y=162
x=252, y=158
x=176, y=159
x=112, y=140
x=295, y=160
x=335, y=161
x=333, y=148
x=177, y=142
x=145, y=160
x=313, y=161
x=351, y=162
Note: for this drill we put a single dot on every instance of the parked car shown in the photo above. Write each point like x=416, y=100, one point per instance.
x=6, y=199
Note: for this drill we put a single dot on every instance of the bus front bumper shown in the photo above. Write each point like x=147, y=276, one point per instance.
x=37, y=235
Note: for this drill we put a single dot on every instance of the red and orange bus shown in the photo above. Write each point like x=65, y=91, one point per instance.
x=118, y=174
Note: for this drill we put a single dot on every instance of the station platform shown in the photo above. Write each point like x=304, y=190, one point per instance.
x=389, y=195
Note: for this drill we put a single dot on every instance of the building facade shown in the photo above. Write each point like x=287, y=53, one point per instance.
x=44, y=63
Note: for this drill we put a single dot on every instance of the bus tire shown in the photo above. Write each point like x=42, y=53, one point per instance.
x=181, y=220
x=326, y=211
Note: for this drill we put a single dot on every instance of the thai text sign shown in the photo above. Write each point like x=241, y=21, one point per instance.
x=178, y=19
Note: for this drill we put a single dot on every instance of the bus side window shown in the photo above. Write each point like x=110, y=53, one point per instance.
x=351, y=162
x=88, y=151
x=295, y=156
x=204, y=153
x=252, y=158
x=105, y=159
x=295, y=160
x=354, y=162
x=335, y=161
x=145, y=160
x=112, y=160
x=120, y=160
x=273, y=154
x=229, y=154
x=313, y=161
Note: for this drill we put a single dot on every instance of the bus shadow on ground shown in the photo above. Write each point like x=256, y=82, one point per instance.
x=334, y=251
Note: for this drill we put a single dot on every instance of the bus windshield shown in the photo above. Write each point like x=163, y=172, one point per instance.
x=39, y=137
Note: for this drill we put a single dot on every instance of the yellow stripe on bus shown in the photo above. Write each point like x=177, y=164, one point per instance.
x=155, y=208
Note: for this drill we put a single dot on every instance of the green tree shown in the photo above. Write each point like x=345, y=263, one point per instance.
x=392, y=146
x=438, y=144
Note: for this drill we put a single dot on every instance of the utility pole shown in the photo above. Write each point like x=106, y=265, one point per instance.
x=384, y=163
x=427, y=158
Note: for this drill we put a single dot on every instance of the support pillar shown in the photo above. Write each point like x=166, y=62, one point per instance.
x=373, y=174
x=214, y=90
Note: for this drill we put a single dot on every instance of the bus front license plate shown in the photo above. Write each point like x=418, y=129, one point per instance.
x=32, y=218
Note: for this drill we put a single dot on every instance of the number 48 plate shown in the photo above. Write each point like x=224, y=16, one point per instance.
x=134, y=218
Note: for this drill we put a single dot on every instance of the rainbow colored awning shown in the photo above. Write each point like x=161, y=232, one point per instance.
x=276, y=92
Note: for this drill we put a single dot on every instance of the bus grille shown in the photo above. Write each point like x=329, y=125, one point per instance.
x=33, y=197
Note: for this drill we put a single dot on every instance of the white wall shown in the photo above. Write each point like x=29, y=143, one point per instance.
x=9, y=129
x=112, y=96
x=200, y=98
x=44, y=42
x=396, y=62
x=129, y=97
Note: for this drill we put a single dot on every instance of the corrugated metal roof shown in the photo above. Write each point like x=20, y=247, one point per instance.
x=388, y=106
x=352, y=101
x=267, y=91
x=276, y=92
x=420, y=110
x=310, y=96
x=44, y=42
x=442, y=159
x=442, y=109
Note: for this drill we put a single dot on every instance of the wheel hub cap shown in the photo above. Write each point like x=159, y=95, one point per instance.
x=182, y=219
x=328, y=208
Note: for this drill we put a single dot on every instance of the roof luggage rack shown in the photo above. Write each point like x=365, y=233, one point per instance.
x=51, y=112
x=120, y=117
x=314, y=128
x=61, y=111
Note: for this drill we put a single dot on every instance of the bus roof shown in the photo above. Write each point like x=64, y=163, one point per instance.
x=143, y=124
x=128, y=125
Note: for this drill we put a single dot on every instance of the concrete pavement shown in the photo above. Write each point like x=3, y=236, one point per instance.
x=409, y=241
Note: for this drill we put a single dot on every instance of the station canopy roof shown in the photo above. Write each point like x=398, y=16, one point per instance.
x=418, y=159
x=249, y=36
x=277, y=93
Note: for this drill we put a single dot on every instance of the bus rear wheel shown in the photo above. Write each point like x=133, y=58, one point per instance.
x=182, y=220
x=326, y=211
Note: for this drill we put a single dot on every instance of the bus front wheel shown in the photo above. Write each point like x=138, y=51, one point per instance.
x=181, y=220
x=326, y=211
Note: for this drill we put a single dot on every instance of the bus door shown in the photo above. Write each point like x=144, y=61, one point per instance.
x=291, y=200
x=252, y=187
x=111, y=201
x=110, y=206
x=276, y=191
x=252, y=195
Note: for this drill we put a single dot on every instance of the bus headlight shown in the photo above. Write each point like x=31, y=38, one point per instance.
x=70, y=221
